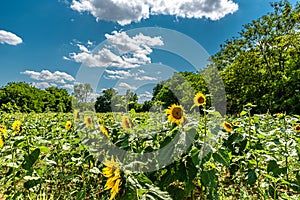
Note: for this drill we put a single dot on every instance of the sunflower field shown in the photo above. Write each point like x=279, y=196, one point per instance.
x=70, y=156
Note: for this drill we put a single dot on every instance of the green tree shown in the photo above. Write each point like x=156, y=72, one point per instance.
x=261, y=65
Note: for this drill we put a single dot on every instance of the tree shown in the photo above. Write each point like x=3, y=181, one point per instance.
x=261, y=65
x=104, y=102
x=82, y=92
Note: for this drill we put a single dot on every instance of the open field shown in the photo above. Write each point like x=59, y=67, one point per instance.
x=46, y=156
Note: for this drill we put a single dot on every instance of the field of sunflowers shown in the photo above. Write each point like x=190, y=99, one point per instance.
x=81, y=155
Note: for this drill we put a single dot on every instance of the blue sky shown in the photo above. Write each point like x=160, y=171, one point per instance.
x=51, y=42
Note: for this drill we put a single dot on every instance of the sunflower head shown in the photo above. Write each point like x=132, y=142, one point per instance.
x=1, y=142
x=68, y=125
x=126, y=123
x=88, y=121
x=16, y=126
x=3, y=130
x=104, y=130
x=76, y=115
x=199, y=99
x=113, y=173
x=175, y=114
x=297, y=128
x=227, y=126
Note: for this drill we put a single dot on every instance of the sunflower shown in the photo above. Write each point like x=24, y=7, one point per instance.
x=16, y=126
x=88, y=121
x=126, y=123
x=227, y=126
x=104, y=130
x=3, y=130
x=113, y=173
x=175, y=114
x=1, y=142
x=68, y=125
x=297, y=128
x=199, y=99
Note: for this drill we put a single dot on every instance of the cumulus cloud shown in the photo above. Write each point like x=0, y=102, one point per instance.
x=121, y=51
x=126, y=86
x=9, y=38
x=43, y=85
x=127, y=11
x=146, y=96
x=45, y=75
x=145, y=78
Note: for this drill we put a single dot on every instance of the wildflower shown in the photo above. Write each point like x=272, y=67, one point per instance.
x=16, y=126
x=199, y=99
x=113, y=173
x=227, y=126
x=175, y=114
x=88, y=121
x=126, y=123
x=3, y=130
x=68, y=125
x=297, y=128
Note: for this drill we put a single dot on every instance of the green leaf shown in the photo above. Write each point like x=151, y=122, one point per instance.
x=31, y=159
x=209, y=178
x=243, y=113
x=222, y=156
x=251, y=177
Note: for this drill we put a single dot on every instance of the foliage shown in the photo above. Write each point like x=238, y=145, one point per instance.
x=261, y=65
x=22, y=97
x=257, y=159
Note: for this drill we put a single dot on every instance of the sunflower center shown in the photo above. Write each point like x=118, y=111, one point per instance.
x=200, y=100
x=297, y=128
x=177, y=113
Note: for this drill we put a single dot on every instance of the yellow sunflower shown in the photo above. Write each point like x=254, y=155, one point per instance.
x=175, y=114
x=68, y=125
x=113, y=173
x=126, y=123
x=1, y=142
x=88, y=121
x=104, y=130
x=3, y=130
x=227, y=126
x=297, y=128
x=16, y=126
x=199, y=99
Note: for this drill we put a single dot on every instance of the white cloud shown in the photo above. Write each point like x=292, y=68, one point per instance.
x=126, y=86
x=122, y=51
x=145, y=96
x=43, y=85
x=9, y=38
x=128, y=11
x=47, y=76
x=145, y=78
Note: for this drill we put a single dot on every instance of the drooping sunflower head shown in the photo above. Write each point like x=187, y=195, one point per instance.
x=126, y=123
x=104, y=130
x=175, y=114
x=297, y=128
x=68, y=125
x=227, y=126
x=3, y=130
x=113, y=173
x=76, y=115
x=16, y=126
x=88, y=121
x=199, y=99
